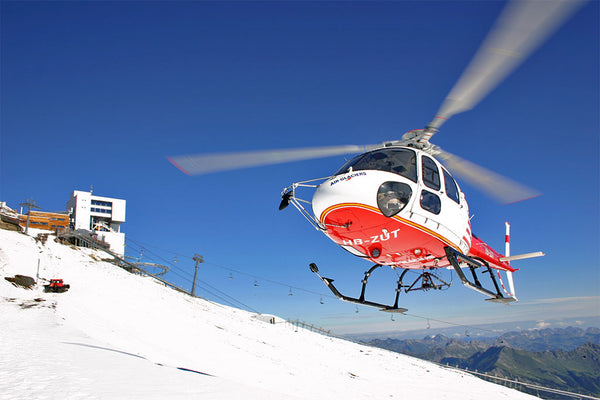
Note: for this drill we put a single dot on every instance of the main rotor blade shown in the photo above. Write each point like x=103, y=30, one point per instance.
x=207, y=163
x=520, y=29
x=497, y=186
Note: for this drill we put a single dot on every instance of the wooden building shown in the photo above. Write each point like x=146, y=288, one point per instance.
x=45, y=220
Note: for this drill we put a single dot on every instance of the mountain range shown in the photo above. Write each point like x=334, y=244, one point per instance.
x=562, y=358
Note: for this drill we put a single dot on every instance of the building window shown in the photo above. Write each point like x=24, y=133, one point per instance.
x=100, y=210
x=101, y=203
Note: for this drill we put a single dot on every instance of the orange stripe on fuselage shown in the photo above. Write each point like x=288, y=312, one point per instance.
x=405, y=221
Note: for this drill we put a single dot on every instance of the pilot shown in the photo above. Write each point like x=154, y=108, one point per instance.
x=394, y=201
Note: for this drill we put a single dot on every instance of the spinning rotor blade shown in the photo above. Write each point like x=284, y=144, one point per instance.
x=520, y=29
x=497, y=186
x=207, y=163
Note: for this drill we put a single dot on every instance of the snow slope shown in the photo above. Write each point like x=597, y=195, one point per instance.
x=118, y=335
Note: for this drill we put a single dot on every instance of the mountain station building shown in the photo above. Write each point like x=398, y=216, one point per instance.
x=100, y=215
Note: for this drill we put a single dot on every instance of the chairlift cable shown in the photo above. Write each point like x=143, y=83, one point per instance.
x=259, y=278
x=221, y=295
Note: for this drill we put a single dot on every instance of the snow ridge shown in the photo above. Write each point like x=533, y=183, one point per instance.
x=116, y=335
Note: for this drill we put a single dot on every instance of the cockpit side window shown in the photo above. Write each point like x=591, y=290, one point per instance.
x=431, y=174
x=451, y=187
x=399, y=161
x=430, y=202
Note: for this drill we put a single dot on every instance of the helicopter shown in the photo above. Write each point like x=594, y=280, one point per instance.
x=396, y=204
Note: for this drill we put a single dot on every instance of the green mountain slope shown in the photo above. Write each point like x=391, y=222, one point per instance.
x=576, y=370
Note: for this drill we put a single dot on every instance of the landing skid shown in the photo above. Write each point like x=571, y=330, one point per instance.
x=456, y=258
x=361, y=299
x=426, y=281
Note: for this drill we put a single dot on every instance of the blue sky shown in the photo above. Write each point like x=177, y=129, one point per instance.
x=99, y=93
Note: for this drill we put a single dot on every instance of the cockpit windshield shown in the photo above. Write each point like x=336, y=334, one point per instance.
x=400, y=161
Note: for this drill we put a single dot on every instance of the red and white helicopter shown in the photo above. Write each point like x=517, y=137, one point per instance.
x=396, y=204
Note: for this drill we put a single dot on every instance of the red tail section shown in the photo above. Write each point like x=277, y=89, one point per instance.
x=480, y=249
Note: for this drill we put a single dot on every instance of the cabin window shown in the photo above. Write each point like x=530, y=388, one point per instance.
x=451, y=188
x=430, y=202
x=399, y=161
x=392, y=197
x=431, y=174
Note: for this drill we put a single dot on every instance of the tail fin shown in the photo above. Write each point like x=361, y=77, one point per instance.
x=508, y=258
x=511, y=284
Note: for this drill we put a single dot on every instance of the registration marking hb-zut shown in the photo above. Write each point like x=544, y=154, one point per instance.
x=384, y=236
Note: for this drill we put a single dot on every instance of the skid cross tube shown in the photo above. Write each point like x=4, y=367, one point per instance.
x=428, y=281
x=456, y=258
x=361, y=300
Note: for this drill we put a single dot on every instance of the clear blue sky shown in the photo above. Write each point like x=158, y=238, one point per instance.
x=99, y=93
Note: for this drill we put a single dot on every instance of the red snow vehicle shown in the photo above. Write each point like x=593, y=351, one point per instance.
x=56, y=286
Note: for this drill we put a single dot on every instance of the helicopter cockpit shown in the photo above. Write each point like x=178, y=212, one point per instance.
x=392, y=197
x=400, y=161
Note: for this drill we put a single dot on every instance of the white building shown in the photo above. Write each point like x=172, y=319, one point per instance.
x=102, y=215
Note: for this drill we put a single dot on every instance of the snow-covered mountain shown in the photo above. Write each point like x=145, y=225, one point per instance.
x=115, y=335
